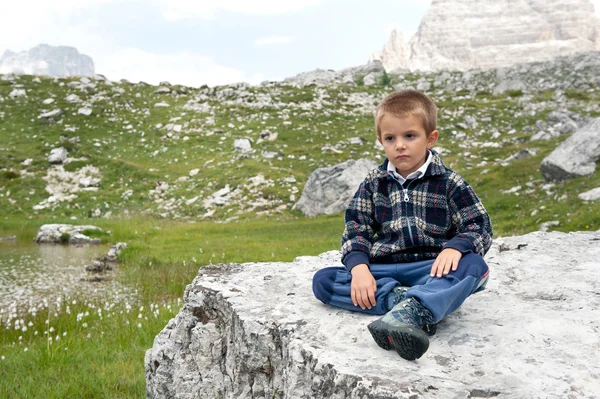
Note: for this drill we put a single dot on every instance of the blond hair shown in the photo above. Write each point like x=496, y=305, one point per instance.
x=408, y=102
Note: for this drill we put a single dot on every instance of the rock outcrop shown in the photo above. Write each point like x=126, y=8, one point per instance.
x=256, y=331
x=47, y=60
x=482, y=34
x=65, y=234
x=576, y=156
x=329, y=190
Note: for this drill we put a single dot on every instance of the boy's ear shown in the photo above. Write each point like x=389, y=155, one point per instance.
x=379, y=139
x=432, y=138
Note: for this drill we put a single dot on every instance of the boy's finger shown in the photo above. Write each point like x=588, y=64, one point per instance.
x=353, y=296
x=433, y=268
x=372, y=298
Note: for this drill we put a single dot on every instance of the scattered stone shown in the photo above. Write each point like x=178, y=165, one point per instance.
x=10, y=238
x=48, y=101
x=547, y=225
x=73, y=98
x=242, y=145
x=84, y=111
x=523, y=154
x=115, y=250
x=591, y=195
x=51, y=115
x=65, y=234
x=16, y=93
x=268, y=135
x=58, y=155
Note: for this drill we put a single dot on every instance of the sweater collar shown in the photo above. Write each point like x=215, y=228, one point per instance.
x=436, y=167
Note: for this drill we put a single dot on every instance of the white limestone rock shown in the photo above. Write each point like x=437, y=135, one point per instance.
x=242, y=145
x=47, y=60
x=576, y=156
x=591, y=195
x=58, y=155
x=65, y=233
x=16, y=93
x=329, y=190
x=395, y=53
x=256, y=331
x=472, y=34
x=86, y=111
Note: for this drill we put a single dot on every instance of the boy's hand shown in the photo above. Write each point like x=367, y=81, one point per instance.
x=446, y=260
x=363, y=287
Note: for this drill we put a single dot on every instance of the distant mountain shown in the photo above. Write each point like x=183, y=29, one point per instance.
x=482, y=34
x=47, y=60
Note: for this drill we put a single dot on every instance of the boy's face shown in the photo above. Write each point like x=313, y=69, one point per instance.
x=405, y=142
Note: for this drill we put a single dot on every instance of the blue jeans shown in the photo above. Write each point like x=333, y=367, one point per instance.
x=441, y=296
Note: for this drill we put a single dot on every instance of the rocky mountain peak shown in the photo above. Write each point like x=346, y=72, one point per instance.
x=47, y=60
x=482, y=34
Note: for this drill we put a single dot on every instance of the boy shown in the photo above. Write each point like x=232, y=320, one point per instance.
x=415, y=234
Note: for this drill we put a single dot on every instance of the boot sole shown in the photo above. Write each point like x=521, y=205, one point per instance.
x=409, y=342
x=381, y=336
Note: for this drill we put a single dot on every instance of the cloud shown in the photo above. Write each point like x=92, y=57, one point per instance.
x=186, y=68
x=268, y=40
x=174, y=10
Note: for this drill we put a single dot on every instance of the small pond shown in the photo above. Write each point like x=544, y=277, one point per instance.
x=32, y=274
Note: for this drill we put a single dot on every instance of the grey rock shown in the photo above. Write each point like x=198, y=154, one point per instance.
x=511, y=85
x=255, y=331
x=547, y=225
x=591, y=195
x=328, y=190
x=115, y=250
x=84, y=111
x=16, y=93
x=524, y=153
x=423, y=85
x=51, y=114
x=576, y=156
x=372, y=78
x=65, y=233
x=58, y=155
x=242, y=145
x=73, y=98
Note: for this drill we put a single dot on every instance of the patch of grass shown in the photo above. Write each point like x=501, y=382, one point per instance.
x=514, y=93
x=8, y=175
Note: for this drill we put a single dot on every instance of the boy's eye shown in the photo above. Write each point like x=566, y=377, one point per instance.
x=389, y=138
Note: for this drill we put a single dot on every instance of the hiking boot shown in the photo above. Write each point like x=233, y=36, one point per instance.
x=402, y=328
x=397, y=295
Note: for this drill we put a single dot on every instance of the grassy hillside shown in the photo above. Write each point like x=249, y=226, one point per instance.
x=143, y=166
x=147, y=162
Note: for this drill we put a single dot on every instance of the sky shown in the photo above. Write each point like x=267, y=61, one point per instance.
x=196, y=42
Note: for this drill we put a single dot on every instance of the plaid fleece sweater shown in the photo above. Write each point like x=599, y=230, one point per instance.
x=387, y=222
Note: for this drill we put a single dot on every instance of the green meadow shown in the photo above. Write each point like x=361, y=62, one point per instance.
x=148, y=197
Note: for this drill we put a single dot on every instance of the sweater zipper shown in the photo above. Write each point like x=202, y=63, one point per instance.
x=407, y=199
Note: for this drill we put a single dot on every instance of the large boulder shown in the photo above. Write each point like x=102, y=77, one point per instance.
x=576, y=156
x=329, y=190
x=256, y=331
